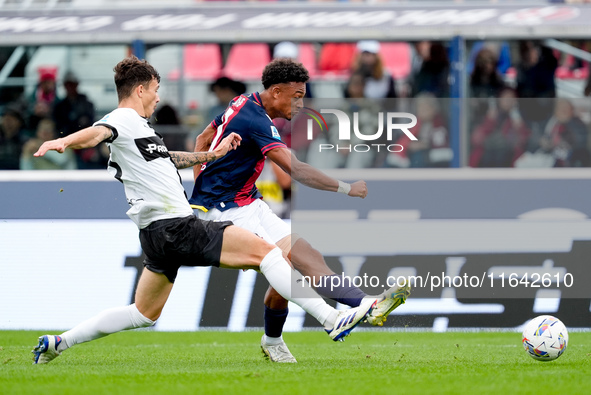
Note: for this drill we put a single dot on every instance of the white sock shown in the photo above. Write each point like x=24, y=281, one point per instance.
x=109, y=321
x=272, y=341
x=283, y=278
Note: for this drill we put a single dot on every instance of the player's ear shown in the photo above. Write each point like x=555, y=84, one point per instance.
x=275, y=91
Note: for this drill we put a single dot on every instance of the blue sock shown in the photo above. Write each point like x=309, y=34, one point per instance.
x=341, y=291
x=274, y=321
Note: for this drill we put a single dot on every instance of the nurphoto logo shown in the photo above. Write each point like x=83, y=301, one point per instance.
x=394, y=121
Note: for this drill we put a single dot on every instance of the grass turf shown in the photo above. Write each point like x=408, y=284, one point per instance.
x=146, y=362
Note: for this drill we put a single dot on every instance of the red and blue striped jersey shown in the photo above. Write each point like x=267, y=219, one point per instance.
x=230, y=181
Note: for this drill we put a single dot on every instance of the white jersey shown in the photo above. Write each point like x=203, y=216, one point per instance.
x=140, y=160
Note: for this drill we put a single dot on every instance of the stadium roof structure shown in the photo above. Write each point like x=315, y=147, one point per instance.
x=74, y=22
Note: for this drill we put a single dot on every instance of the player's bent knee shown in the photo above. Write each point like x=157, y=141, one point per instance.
x=243, y=249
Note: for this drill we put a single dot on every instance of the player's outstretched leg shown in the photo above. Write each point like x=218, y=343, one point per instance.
x=151, y=295
x=387, y=302
x=47, y=349
x=310, y=262
x=242, y=249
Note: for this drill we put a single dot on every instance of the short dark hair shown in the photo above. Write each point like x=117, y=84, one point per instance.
x=227, y=83
x=284, y=71
x=131, y=72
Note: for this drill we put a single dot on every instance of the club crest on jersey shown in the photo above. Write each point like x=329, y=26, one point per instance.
x=152, y=148
x=275, y=132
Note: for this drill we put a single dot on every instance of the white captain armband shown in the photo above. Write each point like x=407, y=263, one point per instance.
x=344, y=187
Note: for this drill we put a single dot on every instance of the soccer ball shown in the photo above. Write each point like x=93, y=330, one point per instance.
x=545, y=338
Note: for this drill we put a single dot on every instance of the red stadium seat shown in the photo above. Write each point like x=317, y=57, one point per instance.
x=396, y=58
x=336, y=59
x=200, y=62
x=247, y=61
x=308, y=58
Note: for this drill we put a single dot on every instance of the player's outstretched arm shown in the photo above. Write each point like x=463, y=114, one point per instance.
x=312, y=177
x=183, y=160
x=85, y=138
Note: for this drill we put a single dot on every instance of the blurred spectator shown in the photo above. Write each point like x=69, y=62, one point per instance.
x=355, y=87
x=501, y=50
x=11, y=139
x=225, y=90
x=75, y=111
x=535, y=80
x=168, y=124
x=485, y=83
x=40, y=104
x=485, y=80
x=535, y=71
x=434, y=73
x=432, y=146
x=563, y=142
x=502, y=136
x=379, y=83
x=368, y=123
x=363, y=114
x=288, y=49
x=419, y=53
x=52, y=160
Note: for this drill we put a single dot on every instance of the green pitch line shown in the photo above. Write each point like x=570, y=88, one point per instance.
x=146, y=362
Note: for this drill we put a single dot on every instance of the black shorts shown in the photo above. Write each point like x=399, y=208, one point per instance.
x=189, y=241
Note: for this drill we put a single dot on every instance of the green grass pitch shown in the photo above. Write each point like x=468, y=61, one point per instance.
x=368, y=362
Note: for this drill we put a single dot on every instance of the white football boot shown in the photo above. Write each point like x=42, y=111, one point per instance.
x=46, y=351
x=277, y=353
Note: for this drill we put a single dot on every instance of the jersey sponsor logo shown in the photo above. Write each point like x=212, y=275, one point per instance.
x=275, y=132
x=151, y=148
x=239, y=101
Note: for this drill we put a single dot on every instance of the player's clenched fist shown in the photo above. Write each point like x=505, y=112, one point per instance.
x=358, y=189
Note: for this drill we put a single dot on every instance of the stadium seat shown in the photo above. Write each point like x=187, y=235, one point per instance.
x=307, y=56
x=336, y=59
x=200, y=62
x=247, y=61
x=397, y=58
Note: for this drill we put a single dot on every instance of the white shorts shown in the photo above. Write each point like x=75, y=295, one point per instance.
x=256, y=217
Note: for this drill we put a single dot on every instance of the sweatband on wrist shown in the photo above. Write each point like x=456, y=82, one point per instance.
x=344, y=187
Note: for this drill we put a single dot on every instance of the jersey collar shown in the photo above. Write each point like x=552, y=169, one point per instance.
x=256, y=97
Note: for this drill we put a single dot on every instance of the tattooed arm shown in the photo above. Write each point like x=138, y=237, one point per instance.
x=183, y=160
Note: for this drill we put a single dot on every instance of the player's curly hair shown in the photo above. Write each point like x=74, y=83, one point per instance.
x=284, y=71
x=131, y=72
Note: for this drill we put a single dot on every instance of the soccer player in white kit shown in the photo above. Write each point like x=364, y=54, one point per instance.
x=170, y=234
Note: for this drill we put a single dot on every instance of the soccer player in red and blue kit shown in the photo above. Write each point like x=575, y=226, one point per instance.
x=226, y=190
